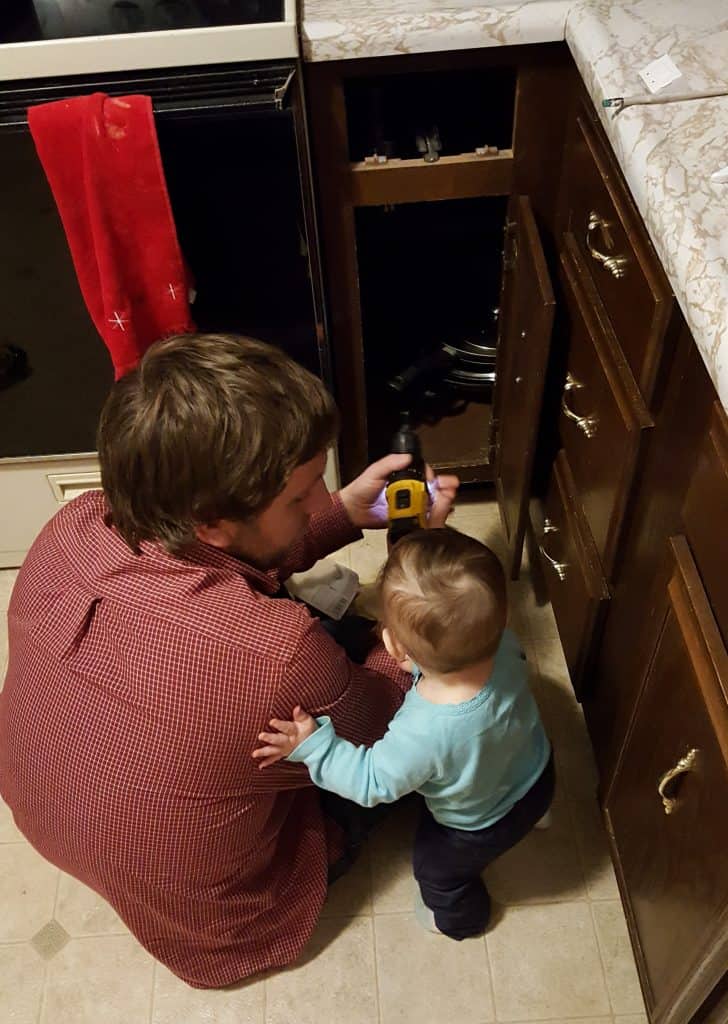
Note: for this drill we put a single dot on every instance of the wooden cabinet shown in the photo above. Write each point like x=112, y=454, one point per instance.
x=412, y=248
x=666, y=806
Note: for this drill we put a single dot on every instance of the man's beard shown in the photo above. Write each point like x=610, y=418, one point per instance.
x=264, y=561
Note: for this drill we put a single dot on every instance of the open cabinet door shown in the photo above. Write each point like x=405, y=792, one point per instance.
x=526, y=317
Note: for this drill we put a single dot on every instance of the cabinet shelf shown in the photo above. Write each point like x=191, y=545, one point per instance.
x=460, y=444
x=463, y=176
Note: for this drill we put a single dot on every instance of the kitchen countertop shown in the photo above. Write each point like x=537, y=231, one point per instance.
x=666, y=152
x=340, y=29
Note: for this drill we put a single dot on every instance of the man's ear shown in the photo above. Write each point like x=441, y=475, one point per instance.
x=217, y=534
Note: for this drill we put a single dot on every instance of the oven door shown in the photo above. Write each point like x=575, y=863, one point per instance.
x=234, y=156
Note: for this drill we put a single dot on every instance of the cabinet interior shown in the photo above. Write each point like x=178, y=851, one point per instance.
x=469, y=108
x=429, y=274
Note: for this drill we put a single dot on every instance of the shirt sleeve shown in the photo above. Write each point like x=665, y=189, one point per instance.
x=329, y=530
x=397, y=764
x=359, y=700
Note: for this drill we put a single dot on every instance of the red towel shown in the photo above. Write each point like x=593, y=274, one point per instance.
x=102, y=161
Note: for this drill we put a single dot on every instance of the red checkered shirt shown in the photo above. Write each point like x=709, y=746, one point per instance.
x=136, y=687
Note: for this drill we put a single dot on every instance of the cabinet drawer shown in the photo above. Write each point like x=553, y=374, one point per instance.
x=617, y=251
x=602, y=413
x=666, y=805
x=573, y=574
x=705, y=514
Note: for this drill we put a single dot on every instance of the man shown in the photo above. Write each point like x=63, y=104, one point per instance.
x=149, y=643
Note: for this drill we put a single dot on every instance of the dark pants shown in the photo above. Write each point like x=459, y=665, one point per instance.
x=448, y=861
x=355, y=822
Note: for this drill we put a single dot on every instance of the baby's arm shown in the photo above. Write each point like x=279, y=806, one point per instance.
x=397, y=764
x=288, y=736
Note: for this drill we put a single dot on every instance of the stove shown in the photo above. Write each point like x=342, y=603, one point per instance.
x=51, y=38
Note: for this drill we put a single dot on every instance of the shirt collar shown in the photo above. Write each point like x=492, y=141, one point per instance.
x=266, y=581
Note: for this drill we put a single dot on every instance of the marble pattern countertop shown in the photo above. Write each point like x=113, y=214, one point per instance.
x=341, y=29
x=667, y=153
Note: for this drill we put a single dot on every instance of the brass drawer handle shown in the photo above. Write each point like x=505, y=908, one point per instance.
x=558, y=567
x=616, y=265
x=685, y=764
x=587, y=424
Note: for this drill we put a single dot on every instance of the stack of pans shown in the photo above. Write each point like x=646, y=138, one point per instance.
x=465, y=368
x=473, y=367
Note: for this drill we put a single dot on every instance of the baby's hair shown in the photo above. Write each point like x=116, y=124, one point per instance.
x=443, y=596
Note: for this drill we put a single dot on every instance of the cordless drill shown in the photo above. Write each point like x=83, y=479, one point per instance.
x=407, y=496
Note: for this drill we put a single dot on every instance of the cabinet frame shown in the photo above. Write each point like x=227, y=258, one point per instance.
x=545, y=79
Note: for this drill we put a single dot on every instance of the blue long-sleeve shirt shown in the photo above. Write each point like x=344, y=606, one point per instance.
x=471, y=761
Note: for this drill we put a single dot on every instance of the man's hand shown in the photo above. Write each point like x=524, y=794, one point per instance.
x=364, y=499
x=366, y=504
x=443, y=491
x=286, y=738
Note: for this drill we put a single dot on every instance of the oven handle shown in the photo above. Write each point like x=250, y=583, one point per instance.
x=274, y=100
x=270, y=100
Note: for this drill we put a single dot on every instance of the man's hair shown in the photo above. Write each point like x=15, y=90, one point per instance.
x=444, y=598
x=206, y=427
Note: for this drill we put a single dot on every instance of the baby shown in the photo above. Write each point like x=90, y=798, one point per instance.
x=468, y=736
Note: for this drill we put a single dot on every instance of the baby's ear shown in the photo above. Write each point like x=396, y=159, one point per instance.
x=394, y=647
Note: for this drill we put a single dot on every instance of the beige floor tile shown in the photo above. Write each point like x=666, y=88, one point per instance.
x=577, y=1020
x=174, y=1002
x=619, y=966
x=8, y=831
x=631, y=1018
x=555, y=694
x=527, y=613
x=81, y=911
x=333, y=982
x=7, y=582
x=50, y=940
x=552, y=663
x=350, y=896
x=481, y=521
x=367, y=556
x=544, y=867
x=21, y=984
x=27, y=891
x=96, y=979
x=545, y=963
x=591, y=839
x=564, y=722
x=390, y=849
x=575, y=760
x=341, y=557
x=427, y=978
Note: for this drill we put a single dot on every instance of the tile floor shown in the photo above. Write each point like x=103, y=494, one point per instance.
x=559, y=951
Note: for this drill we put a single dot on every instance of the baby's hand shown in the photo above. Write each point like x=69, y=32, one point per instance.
x=287, y=737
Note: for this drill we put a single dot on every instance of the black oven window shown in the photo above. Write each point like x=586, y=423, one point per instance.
x=27, y=20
